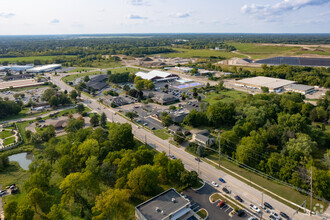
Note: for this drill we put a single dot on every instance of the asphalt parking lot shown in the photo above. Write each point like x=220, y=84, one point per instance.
x=202, y=196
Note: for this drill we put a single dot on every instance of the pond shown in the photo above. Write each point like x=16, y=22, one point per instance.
x=24, y=159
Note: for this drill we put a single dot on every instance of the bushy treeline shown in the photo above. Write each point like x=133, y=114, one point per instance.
x=274, y=133
x=95, y=174
x=8, y=108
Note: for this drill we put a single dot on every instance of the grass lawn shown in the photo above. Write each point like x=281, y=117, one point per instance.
x=8, y=141
x=30, y=87
x=13, y=174
x=30, y=59
x=281, y=190
x=323, y=52
x=163, y=134
x=106, y=64
x=257, y=51
x=5, y=133
x=227, y=96
x=21, y=127
x=117, y=70
x=202, y=213
x=80, y=69
x=191, y=53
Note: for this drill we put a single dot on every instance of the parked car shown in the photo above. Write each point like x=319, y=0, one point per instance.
x=215, y=184
x=145, y=124
x=222, y=180
x=272, y=217
x=241, y=213
x=196, y=158
x=284, y=215
x=254, y=208
x=225, y=190
x=221, y=203
x=238, y=198
x=268, y=205
x=276, y=216
x=172, y=156
x=252, y=218
x=2, y=192
x=153, y=128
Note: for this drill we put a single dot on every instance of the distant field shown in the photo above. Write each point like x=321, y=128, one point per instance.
x=30, y=59
x=228, y=96
x=263, y=51
x=190, y=53
x=117, y=70
x=80, y=69
x=106, y=64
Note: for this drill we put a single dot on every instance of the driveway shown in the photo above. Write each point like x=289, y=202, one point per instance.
x=202, y=196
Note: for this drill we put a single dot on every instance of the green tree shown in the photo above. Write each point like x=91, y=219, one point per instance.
x=265, y=89
x=121, y=137
x=73, y=94
x=80, y=108
x=11, y=210
x=86, y=79
x=74, y=125
x=56, y=212
x=302, y=145
x=112, y=204
x=131, y=115
x=179, y=137
x=94, y=120
x=220, y=113
x=53, y=101
x=143, y=180
x=103, y=121
x=48, y=94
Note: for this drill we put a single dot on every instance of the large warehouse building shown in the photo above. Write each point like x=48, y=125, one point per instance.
x=274, y=84
x=16, y=68
x=44, y=68
x=157, y=76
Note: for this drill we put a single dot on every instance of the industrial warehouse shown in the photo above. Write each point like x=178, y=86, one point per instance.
x=274, y=84
x=44, y=68
x=157, y=76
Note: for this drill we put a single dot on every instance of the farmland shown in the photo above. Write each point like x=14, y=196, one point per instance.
x=30, y=59
x=190, y=53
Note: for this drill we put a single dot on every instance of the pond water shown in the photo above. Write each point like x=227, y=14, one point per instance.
x=24, y=159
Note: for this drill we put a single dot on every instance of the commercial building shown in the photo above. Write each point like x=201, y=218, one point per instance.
x=169, y=205
x=98, y=82
x=157, y=76
x=44, y=68
x=164, y=99
x=178, y=116
x=303, y=89
x=273, y=84
x=19, y=83
x=16, y=68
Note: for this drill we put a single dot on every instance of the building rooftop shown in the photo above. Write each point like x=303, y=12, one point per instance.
x=269, y=82
x=163, y=205
x=299, y=87
x=44, y=68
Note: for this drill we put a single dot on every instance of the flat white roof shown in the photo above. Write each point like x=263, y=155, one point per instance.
x=44, y=67
x=263, y=81
x=152, y=74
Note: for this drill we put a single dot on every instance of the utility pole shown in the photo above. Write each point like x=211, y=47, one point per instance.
x=311, y=203
x=262, y=202
x=219, y=149
x=169, y=149
x=145, y=138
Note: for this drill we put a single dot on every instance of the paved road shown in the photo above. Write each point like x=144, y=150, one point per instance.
x=207, y=172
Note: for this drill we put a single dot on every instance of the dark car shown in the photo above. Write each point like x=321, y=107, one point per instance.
x=272, y=217
x=241, y=213
x=222, y=180
x=268, y=205
x=225, y=190
x=238, y=198
x=284, y=215
x=196, y=158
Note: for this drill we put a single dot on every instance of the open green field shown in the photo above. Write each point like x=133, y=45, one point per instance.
x=227, y=96
x=8, y=141
x=5, y=134
x=190, y=53
x=323, y=52
x=263, y=51
x=25, y=113
x=106, y=64
x=281, y=190
x=72, y=77
x=163, y=134
x=80, y=69
x=30, y=59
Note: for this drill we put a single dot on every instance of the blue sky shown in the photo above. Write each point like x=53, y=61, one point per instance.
x=163, y=16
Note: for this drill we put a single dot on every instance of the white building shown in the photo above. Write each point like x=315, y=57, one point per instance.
x=45, y=68
x=157, y=76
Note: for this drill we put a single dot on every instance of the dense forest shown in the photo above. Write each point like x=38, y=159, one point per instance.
x=101, y=173
x=274, y=134
x=138, y=45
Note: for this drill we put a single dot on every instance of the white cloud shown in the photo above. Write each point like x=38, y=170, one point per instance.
x=131, y=16
x=6, y=15
x=271, y=12
x=55, y=21
x=181, y=15
x=138, y=2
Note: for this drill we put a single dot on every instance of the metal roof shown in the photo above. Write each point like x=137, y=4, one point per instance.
x=263, y=81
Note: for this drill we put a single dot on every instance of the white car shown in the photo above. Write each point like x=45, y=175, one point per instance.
x=254, y=208
x=215, y=184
